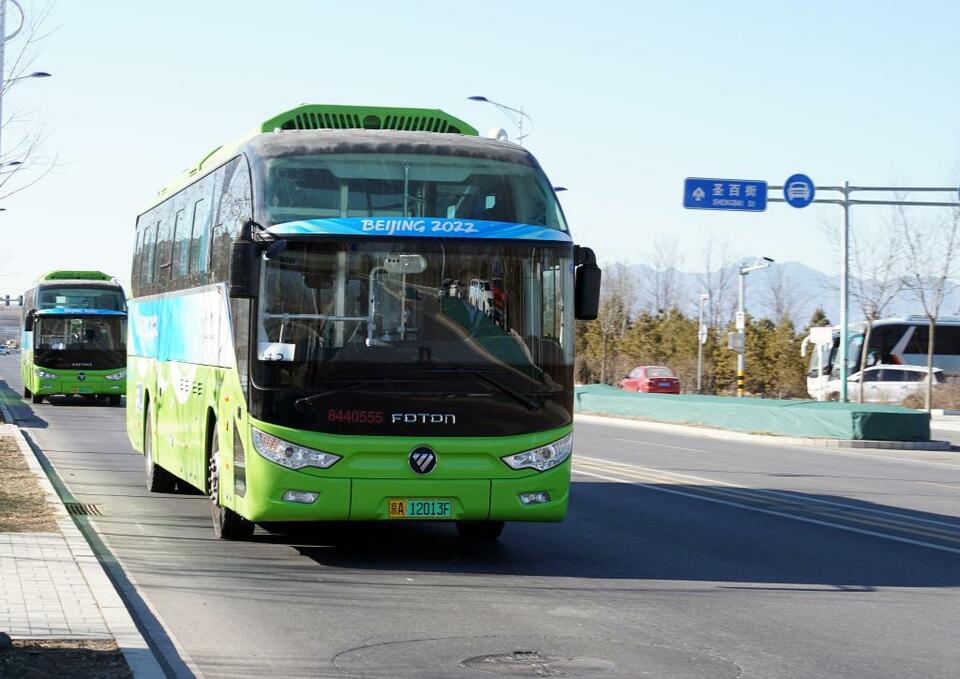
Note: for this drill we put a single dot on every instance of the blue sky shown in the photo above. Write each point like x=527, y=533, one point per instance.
x=627, y=98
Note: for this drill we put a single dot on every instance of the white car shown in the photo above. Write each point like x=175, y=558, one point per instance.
x=887, y=383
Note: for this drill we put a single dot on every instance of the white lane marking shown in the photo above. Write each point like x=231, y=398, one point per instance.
x=664, y=445
x=766, y=491
x=942, y=485
x=816, y=522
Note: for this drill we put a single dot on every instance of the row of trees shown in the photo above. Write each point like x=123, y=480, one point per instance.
x=627, y=334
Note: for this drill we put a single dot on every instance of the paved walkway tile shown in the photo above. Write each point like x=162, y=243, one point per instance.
x=43, y=593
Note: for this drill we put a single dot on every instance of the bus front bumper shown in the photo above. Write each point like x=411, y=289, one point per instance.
x=368, y=499
x=68, y=385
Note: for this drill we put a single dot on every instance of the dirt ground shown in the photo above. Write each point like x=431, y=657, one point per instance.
x=22, y=504
x=30, y=659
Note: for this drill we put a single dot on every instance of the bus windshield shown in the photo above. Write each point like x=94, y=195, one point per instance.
x=77, y=297
x=80, y=341
x=323, y=186
x=338, y=311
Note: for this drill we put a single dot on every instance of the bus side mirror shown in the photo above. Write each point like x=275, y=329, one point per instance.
x=586, y=291
x=28, y=320
x=244, y=268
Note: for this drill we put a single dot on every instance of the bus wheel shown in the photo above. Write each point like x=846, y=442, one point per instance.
x=158, y=479
x=114, y=399
x=37, y=398
x=227, y=524
x=26, y=393
x=481, y=531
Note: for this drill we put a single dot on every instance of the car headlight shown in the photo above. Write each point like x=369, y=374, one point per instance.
x=122, y=375
x=290, y=455
x=43, y=374
x=542, y=458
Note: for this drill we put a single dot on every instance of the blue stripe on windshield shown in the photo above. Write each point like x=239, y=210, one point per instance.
x=419, y=228
x=79, y=311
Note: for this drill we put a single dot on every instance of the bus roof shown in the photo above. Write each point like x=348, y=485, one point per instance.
x=326, y=117
x=73, y=275
x=912, y=319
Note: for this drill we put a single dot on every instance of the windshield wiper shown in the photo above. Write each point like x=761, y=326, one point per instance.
x=302, y=403
x=531, y=405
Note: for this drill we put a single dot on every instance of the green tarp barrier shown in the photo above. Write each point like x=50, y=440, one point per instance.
x=814, y=419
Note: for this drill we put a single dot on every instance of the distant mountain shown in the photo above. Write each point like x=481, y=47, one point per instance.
x=806, y=289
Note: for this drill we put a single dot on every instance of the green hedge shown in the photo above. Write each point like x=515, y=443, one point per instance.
x=785, y=418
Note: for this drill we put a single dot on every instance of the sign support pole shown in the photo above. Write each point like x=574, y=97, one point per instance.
x=844, y=291
x=846, y=202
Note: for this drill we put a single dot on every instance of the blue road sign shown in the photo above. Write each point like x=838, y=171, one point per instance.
x=724, y=194
x=798, y=190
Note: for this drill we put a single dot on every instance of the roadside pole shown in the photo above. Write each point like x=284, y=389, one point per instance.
x=741, y=320
x=701, y=340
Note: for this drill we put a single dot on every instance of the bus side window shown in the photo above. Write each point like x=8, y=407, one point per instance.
x=137, y=256
x=149, y=246
x=164, y=243
x=178, y=268
x=198, y=235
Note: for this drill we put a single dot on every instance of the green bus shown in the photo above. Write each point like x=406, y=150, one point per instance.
x=74, y=339
x=354, y=314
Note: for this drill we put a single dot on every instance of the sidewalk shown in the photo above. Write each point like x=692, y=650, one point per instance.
x=52, y=587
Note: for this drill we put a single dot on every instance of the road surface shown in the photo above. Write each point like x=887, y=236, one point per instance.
x=682, y=557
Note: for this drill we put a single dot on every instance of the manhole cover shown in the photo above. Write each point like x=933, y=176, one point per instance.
x=80, y=509
x=532, y=664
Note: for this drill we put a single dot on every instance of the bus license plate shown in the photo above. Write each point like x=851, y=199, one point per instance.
x=410, y=508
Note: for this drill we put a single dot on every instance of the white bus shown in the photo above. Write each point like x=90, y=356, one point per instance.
x=899, y=340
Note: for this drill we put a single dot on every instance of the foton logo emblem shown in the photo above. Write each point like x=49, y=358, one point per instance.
x=422, y=460
x=424, y=418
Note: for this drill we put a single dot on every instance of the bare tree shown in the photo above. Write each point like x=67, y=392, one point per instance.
x=617, y=297
x=718, y=280
x=663, y=289
x=781, y=299
x=929, y=265
x=22, y=135
x=875, y=282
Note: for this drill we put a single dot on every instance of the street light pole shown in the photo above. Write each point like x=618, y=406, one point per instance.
x=516, y=115
x=742, y=320
x=701, y=340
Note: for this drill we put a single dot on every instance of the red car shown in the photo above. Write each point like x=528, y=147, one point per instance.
x=651, y=379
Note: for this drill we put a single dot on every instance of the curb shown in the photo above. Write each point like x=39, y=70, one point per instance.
x=137, y=653
x=708, y=432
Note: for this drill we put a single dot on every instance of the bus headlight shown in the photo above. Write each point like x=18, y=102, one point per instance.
x=121, y=375
x=542, y=458
x=43, y=374
x=290, y=455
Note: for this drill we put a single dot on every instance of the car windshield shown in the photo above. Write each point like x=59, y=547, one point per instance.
x=323, y=186
x=338, y=311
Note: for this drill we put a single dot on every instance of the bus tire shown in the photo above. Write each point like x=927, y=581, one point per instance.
x=26, y=393
x=37, y=398
x=158, y=479
x=227, y=524
x=480, y=531
x=114, y=399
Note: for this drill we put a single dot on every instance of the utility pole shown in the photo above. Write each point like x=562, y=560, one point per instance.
x=701, y=340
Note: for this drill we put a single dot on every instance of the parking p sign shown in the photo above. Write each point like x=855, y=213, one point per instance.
x=798, y=190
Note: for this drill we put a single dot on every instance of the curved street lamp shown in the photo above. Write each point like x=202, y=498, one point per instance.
x=516, y=115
